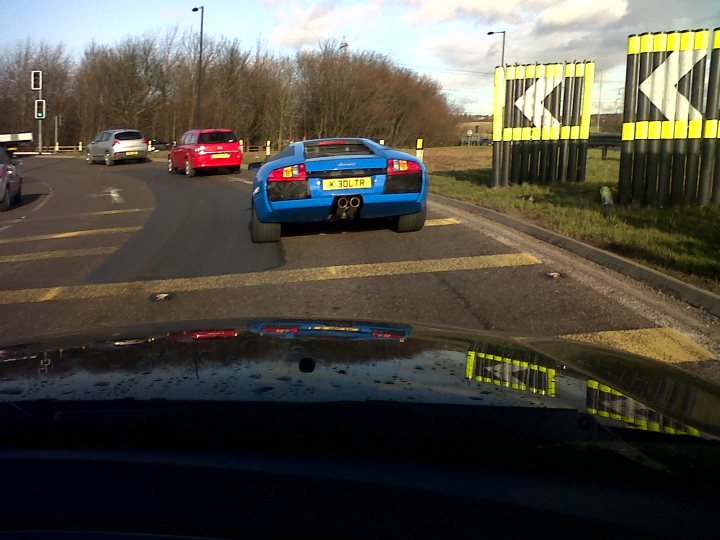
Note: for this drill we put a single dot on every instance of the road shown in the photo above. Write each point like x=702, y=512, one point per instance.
x=91, y=246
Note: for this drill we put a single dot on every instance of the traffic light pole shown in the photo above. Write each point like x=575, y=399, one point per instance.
x=40, y=141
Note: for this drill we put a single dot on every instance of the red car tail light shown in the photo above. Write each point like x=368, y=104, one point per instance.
x=115, y=142
x=402, y=166
x=293, y=173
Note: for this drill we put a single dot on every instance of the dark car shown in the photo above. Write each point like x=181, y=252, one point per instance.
x=11, y=181
x=283, y=428
x=157, y=146
x=338, y=179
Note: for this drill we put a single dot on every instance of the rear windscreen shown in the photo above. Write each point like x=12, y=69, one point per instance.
x=128, y=135
x=336, y=148
x=217, y=137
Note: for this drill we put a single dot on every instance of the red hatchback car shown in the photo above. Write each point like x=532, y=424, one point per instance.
x=202, y=149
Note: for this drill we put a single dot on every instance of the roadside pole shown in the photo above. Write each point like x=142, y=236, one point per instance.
x=40, y=141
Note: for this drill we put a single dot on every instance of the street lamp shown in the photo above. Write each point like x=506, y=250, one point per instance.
x=502, y=57
x=199, y=74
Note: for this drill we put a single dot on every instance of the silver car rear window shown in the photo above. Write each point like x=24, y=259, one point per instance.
x=128, y=135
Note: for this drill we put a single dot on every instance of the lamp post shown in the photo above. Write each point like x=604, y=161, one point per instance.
x=502, y=56
x=199, y=74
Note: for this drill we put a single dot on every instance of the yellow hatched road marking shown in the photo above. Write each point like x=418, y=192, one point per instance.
x=71, y=234
x=58, y=254
x=277, y=277
x=664, y=344
x=442, y=221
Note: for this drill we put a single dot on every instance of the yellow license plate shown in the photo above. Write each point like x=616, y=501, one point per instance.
x=332, y=184
x=220, y=156
x=131, y=153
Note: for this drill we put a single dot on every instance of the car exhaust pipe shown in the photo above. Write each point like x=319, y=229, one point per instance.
x=346, y=207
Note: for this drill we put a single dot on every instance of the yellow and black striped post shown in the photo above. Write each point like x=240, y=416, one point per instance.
x=667, y=130
x=498, y=114
x=710, y=154
x=680, y=129
x=625, y=186
x=657, y=57
x=541, y=122
x=710, y=173
x=695, y=123
x=670, y=145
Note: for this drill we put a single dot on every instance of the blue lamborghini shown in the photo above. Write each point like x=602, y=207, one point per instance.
x=337, y=179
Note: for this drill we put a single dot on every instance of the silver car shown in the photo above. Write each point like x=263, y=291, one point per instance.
x=117, y=145
x=10, y=181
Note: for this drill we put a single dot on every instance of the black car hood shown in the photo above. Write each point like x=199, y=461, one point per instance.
x=305, y=361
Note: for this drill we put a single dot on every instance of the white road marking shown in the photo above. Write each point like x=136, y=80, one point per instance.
x=46, y=199
x=114, y=194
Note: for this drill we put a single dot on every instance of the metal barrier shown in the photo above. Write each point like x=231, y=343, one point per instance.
x=604, y=141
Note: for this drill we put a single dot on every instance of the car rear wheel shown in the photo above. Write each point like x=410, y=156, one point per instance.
x=171, y=169
x=17, y=199
x=411, y=222
x=5, y=204
x=109, y=160
x=189, y=171
x=234, y=170
x=263, y=232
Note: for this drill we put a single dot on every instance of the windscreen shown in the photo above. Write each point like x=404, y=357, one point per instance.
x=218, y=137
x=336, y=148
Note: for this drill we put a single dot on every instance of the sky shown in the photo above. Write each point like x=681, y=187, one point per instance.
x=444, y=39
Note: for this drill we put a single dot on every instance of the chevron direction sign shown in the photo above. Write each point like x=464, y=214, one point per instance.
x=670, y=119
x=509, y=368
x=541, y=122
x=602, y=400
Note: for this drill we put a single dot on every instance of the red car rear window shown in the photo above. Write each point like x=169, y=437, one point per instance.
x=217, y=137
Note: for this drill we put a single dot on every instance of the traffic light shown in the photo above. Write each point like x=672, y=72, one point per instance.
x=36, y=80
x=39, y=109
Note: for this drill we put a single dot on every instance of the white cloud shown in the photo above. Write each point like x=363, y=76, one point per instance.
x=570, y=12
x=303, y=23
x=429, y=11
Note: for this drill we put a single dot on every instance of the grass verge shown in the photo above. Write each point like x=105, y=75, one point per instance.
x=683, y=242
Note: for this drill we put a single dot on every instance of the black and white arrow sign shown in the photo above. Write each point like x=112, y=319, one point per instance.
x=661, y=86
x=532, y=102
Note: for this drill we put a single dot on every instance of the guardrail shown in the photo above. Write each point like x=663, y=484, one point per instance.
x=604, y=141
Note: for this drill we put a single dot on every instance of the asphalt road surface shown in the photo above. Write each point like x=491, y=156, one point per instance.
x=91, y=245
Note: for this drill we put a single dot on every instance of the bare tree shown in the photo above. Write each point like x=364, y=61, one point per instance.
x=149, y=83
